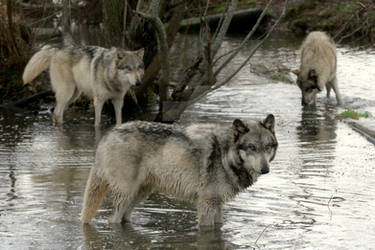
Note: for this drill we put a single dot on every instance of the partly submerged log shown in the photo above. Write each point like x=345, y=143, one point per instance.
x=242, y=21
x=28, y=102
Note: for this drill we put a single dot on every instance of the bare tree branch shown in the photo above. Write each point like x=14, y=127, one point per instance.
x=162, y=43
x=254, y=49
x=244, y=41
x=172, y=29
x=224, y=28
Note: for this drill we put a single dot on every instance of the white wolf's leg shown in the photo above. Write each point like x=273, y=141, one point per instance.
x=337, y=92
x=75, y=96
x=64, y=86
x=98, y=106
x=328, y=87
x=117, y=104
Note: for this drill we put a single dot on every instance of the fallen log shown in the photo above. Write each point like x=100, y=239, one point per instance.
x=242, y=21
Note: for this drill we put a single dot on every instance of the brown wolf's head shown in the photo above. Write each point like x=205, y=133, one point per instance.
x=308, y=83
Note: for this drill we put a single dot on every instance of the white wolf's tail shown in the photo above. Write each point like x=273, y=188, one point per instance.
x=96, y=188
x=39, y=62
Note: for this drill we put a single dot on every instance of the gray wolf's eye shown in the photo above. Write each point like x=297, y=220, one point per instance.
x=141, y=66
x=252, y=147
x=268, y=147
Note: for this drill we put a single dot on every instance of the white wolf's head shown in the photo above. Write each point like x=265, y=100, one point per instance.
x=308, y=83
x=127, y=66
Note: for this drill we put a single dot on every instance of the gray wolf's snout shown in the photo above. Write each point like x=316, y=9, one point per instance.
x=265, y=169
x=138, y=83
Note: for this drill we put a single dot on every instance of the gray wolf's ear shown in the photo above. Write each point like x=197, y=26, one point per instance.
x=140, y=52
x=238, y=128
x=313, y=76
x=296, y=72
x=269, y=123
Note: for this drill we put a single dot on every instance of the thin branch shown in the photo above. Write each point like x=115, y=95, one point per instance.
x=246, y=39
x=224, y=28
x=161, y=36
x=124, y=23
x=139, y=4
x=221, y=20
x=260, y=235
x=245, y=62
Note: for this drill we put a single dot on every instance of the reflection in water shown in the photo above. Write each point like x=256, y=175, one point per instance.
x=317, y=138
x=319, y=194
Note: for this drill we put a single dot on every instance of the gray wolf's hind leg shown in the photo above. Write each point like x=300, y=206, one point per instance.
x=124, y=207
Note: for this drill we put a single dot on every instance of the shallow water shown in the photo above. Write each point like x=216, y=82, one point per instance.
x=320, y=193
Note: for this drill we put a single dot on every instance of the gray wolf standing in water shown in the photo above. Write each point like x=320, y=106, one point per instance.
x=206, y=164
x=318, y=67
x=97, y=72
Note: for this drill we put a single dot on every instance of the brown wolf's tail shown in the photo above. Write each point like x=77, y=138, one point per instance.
x=96, y=189
x=39, y=62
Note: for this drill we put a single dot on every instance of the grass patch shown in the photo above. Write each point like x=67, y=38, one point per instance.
x=281, y=78
x=352, y=114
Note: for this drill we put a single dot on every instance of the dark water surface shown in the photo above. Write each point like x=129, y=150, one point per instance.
x=320, y=193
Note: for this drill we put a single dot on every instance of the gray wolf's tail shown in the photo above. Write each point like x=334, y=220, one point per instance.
x=39, y=62
x=96, y=189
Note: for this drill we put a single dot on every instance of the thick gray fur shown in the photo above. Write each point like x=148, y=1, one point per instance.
x=206, y=164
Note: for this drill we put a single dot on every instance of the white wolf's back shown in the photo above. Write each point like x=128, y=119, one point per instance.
x=319, y=53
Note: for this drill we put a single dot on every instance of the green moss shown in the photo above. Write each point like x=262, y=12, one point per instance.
x=340, y=10
x=352, y=114
x=282, y=78
x=300, y=9
x=221, y=8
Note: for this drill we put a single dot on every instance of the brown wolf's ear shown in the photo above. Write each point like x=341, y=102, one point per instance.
x=238, y=128
x=296, y=72
x=269, y=123
x=140, y=52
x=313, y=76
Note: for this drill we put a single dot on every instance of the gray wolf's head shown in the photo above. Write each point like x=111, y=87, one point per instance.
x=127, y=66
x=308, y=83
x=254, y=144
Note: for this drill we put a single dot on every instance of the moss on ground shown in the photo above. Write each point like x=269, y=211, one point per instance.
x=352, y=114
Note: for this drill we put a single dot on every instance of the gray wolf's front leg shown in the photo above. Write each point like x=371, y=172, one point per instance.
x=209, y=213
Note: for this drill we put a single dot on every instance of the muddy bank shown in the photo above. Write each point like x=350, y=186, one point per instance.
x=345, y=20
